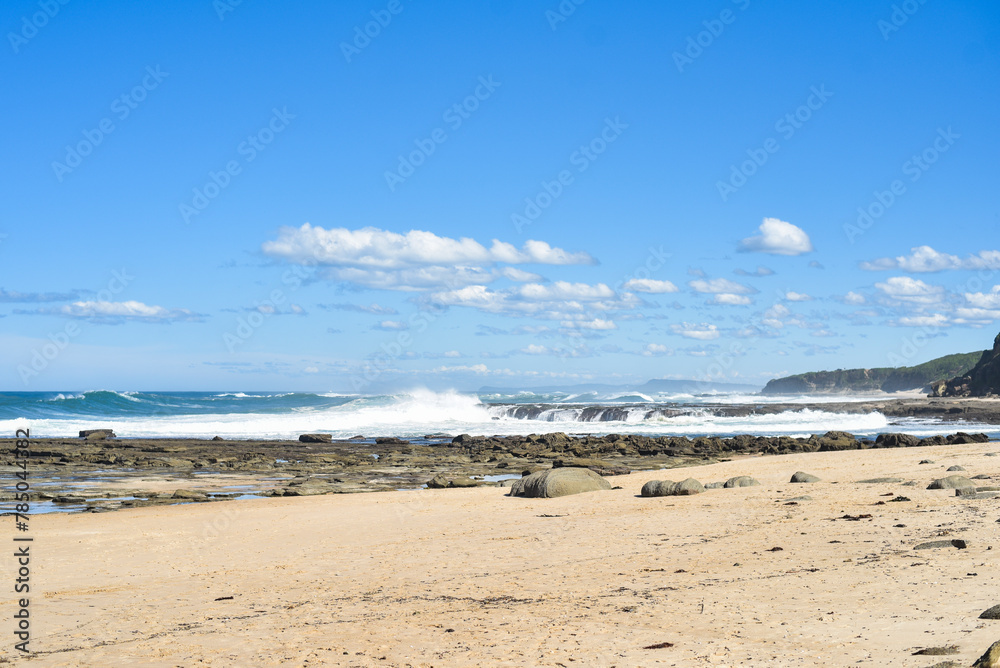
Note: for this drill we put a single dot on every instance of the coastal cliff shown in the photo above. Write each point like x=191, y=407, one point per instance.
x=983, y=380
x=884, y=379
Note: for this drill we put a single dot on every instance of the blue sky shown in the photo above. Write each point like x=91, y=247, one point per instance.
x=228, y=195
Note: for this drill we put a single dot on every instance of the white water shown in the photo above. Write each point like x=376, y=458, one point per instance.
x=420, y=412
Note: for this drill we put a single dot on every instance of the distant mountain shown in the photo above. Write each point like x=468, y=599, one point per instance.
x=883, y=379
x=983, y=380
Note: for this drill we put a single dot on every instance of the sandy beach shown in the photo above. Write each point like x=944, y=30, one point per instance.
x=470, y=577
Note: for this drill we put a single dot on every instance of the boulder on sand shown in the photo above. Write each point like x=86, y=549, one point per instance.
x=741, y=481
x=551, y=483
x=951, y=482
x=800, y=476
x=670, y=488
x=991, y=659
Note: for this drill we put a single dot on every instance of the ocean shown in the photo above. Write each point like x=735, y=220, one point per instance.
x=414, y=413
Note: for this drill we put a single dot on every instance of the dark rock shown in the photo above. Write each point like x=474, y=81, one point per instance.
x=990, y=658
x=558, y=482
x=391, y=440
x=968, y=492
x=991, y=613
x=937, y=651
x=896, y=441
x=878, y=480
x=951, y=482
x=686, y=487
x=961, y=437
x=97, y=434
x=954, y=542
x=218, y=438
x=741, y=481
x=715, y=485
x=956, y=468
x=316, y=438
x=800, y=476
x=926, y=461
x=982, y=381
x=188, y=494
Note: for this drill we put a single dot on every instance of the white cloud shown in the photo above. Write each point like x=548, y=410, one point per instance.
x=361, y=308
x=562, y=290
x=452, y=353
x=650, y=286
x=777, y=238
x=373, y=248
x=392, y=325
x=936, y=320
x=854, y=298
x=730, y=300
x=797, y=297
x=534, y=349
x=596, y=324
x=719, y=286
x=129, y=310
x=702, y=331
x=519, y=275
x=976, y=316
x=989, y=300
x=926, y=259
x=911, y=290
x=653, y=349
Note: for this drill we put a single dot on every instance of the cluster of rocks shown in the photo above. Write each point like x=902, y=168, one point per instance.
x=316, y=463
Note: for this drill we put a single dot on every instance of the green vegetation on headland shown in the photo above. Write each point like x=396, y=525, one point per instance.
x=883, y=379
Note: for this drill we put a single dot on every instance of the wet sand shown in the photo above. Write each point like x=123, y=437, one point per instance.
x=469, y=577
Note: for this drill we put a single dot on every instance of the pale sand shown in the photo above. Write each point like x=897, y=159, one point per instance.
x=469, y=577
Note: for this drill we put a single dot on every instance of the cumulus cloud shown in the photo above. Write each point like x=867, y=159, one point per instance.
x=777, y=237
x=854, y=298
x=563, y=290
x=701, y=331
x=727, y=299
x=935, y=320
x=797, y=296
x=554, y=301
x=650, y=286
x=373, y=248
x=654, y=349
x=720, y=286
x=595, y=324
x=391, y=325
x=925, y=259
x=988, y=300
x=911, y=290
